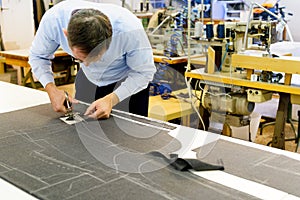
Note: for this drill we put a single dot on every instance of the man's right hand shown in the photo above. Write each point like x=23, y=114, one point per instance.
x=57, y=98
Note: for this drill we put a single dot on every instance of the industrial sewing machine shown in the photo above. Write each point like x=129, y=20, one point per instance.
x=249, y=77
x=228, y=104
x=167, y=33
x=260, y=35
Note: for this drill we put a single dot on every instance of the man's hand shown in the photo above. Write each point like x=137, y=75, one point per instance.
x=101, y=108
x=57, y=98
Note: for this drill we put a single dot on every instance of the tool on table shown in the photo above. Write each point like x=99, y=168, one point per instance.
x=68, y=106
x=71, y=117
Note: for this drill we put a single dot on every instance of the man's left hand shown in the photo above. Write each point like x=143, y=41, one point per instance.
x=102, y=107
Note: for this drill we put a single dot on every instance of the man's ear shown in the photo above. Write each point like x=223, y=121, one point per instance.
x=65, y=32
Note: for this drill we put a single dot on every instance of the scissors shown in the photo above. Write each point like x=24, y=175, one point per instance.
x=68, y=105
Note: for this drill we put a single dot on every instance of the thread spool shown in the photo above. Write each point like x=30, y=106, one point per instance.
x=209, y=30
x=147, y=6
x=221, y=31
x=51, y=4
x=198, y=29
x=141, y=6
x=228, y=32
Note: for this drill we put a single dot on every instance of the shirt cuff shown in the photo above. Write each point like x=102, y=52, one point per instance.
x=45, y=79
x=122, y=93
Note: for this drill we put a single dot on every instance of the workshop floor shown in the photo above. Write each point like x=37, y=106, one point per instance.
x=267, y=134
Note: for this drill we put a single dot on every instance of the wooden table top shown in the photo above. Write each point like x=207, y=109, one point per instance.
x=232, y=80
x=23, y=54
x=171, y=108
x=174, y=60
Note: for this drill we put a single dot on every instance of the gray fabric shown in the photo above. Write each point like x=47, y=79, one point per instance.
x=274, y=170
x=46, y=157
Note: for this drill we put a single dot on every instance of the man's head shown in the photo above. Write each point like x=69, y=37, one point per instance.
x=89, y=34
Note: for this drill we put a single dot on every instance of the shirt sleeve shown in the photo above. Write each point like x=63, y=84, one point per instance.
x=42, y=50
x=139, y=58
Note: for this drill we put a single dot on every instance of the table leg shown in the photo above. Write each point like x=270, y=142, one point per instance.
x=186, y=120
x=278, y=140
x=26, y=77
x=2, y=69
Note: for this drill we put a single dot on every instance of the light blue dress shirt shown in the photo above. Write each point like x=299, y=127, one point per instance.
x=128, y=57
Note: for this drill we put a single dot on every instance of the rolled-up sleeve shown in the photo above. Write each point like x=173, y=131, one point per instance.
x=141, y=73
x=140, y=61
x=42, y=51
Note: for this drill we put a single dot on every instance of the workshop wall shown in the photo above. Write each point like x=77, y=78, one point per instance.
x=17, y=23
x=292, y=6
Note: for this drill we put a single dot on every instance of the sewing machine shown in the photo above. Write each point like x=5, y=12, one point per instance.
x=260, y=35
x=227, y=104
x=167, y=33
x=222, y=87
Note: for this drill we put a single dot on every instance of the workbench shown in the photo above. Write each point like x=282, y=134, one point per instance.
x=174, y=60
x=201, y=60
x=173, y=108
x=41, y=157
x=19, y=58
x=286, y=64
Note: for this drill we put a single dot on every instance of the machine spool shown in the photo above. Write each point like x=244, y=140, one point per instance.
x=141, y=6
x=147, y=6
x=198, y=29
x=209, y=30
x=221, y=30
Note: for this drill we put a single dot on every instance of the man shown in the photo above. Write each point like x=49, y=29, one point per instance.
x=112, y=47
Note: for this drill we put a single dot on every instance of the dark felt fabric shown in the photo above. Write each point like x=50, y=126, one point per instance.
x=50, y=159
x=274, y=170
x=184, y=164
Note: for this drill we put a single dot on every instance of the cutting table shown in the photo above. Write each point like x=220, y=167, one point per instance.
x=120, y=158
